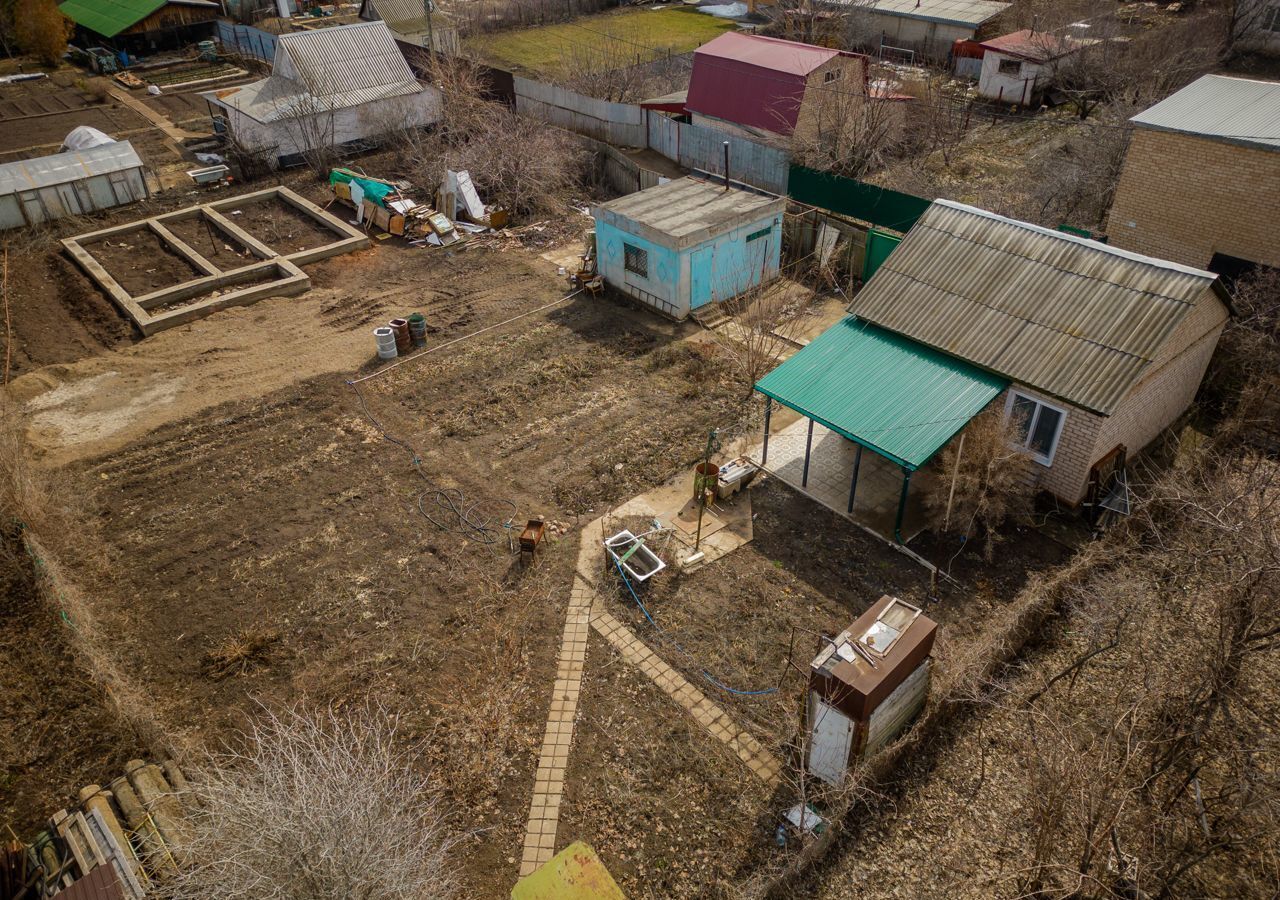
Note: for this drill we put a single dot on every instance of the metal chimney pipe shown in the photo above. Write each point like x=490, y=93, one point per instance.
x=726, y=165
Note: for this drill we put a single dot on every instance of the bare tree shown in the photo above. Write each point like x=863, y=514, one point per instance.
x=848, y=128
x=985, y=480
x=316, y=804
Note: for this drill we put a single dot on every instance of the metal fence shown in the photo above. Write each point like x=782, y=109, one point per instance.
x=702, y=148
x=247, y=40
x=871, y=203
x=615, y=123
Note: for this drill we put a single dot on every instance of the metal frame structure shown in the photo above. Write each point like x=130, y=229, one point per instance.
x=288, y=278
x=857, y=464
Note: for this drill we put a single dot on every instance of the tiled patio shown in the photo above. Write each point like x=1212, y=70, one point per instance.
x=831, y=473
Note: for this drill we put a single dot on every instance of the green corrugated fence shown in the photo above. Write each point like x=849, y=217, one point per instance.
x=847, y=196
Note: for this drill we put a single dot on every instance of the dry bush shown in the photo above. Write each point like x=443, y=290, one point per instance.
x=521, y=164
x=315, y=804
x=240, y=651
x=42, y=30
x=990, y=485
x=765, y=321
x=848, y=133
x=1243, y=384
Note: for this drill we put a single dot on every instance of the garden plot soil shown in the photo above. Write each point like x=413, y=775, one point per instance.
x=290, y=518
x=141, y=262
x=49, y=131
x=670, y=809
x=60, y=733
x=280, y=226
x=204, y=237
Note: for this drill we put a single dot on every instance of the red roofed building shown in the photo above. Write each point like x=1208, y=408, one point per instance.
x=758, y=85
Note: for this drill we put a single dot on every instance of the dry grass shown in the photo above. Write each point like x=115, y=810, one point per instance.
x=239, y=652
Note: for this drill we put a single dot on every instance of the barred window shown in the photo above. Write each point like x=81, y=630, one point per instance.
x=636, y=260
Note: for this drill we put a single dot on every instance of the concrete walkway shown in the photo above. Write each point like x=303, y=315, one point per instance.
x=586, y=611
x=155, y=117
x=763, y=764
x=548, y=784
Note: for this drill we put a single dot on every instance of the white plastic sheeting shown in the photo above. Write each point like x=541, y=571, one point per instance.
x=83, y=137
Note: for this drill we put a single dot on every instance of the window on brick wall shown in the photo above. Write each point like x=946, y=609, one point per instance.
x=1036, y=425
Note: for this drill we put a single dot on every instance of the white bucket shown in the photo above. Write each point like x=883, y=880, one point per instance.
x=386, y=340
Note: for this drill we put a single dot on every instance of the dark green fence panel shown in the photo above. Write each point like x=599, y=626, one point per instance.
x=879, y=246
x=877, y=205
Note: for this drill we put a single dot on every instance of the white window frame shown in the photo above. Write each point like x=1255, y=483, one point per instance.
x=1003, y=61
x=1045, y=459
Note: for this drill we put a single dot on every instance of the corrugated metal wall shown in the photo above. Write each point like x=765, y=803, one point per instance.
x=751, y=163
x=246, y=40
x=614, y=123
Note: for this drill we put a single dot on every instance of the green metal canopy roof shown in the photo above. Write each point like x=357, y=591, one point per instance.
x=895, y=396
x=108, y=17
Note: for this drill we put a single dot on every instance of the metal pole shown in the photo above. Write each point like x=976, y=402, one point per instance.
x=808, y=443
x=726, y=165
x=768, y=409
x=951, y=494
x=702, y=490
x=902, y=505
x=853, y=488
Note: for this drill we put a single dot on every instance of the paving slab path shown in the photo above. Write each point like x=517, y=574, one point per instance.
x=586, y=611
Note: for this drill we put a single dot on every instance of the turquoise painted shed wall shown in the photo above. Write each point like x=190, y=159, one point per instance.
x=717, y=269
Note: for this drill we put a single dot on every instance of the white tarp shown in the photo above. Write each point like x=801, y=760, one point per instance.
x=82, y=137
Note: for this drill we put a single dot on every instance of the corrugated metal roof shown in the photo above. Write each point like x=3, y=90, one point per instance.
x=108, y=17
x=100, y=884
x=1072, y=317
x=326, y=69
x=1038, y=46
x=753, y=80
x=62, y=168
x=971, y=13
x=1237, y=110
x=404, y=16
x=889, y=393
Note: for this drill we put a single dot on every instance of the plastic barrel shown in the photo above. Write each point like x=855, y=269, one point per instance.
x=418, y=329
x=400, y=327
x=386, y=341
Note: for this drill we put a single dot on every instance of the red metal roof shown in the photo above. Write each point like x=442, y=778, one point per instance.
x=754, y=80
x=1035, y=46
x=100, y=884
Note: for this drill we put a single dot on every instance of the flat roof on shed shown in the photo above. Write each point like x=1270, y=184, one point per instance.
x=688, y=211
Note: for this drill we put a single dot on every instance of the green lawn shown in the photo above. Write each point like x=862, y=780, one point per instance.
x=603, y=41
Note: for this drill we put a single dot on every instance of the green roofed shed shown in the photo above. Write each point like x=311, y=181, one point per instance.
x=108, y=17
x=882, y=390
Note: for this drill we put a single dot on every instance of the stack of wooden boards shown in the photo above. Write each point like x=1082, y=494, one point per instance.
x=131, y=826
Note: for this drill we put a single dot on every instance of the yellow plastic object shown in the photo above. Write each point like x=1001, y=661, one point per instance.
x=575, y=873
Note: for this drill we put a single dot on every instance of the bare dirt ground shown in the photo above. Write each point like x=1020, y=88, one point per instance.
x=60, y=732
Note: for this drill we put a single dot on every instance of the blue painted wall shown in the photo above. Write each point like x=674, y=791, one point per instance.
x=677, y=282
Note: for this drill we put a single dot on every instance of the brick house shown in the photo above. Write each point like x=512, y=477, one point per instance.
x=1085, y=347
x=1201, y=180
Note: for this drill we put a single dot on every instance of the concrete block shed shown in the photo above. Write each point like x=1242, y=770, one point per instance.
x=687, y=243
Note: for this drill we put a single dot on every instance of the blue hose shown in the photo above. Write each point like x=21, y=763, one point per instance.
x=683, y=652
